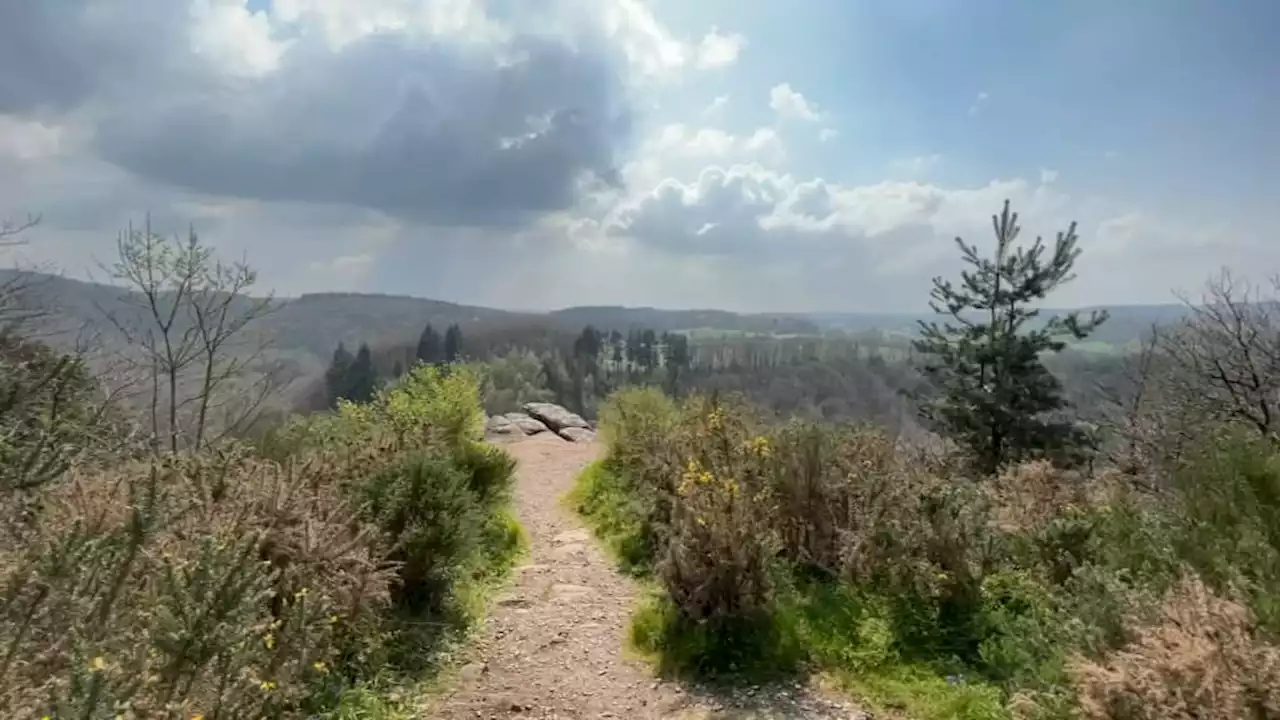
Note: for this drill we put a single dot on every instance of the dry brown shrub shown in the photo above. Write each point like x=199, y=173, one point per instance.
x=1200, y=659
x=226, y=587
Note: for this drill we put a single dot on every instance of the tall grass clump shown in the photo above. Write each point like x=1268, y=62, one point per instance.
x=1035, y=593
x=246, y=582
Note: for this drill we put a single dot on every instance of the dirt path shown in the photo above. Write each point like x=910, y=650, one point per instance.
x=552, y=646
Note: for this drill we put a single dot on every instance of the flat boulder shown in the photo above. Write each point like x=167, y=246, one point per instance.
x=577, y=434
x=555, y=417
x=525, y=424
x=499, y=425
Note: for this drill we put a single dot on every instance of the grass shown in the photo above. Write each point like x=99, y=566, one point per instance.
x=602, y=498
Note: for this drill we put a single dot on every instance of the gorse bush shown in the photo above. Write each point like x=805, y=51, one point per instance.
x=230, y=585
x=228, y=588
x=1027, y=594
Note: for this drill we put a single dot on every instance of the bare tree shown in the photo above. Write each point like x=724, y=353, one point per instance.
x=221, y=311
x=15, y=308
x=187, y=318
x=1227, y=354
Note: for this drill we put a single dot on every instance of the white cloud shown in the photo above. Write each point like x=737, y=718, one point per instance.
x=514, y=154
x=789, y=104
x=717, y=50
x=239, y=41
x=715, y=110
x=978, y=103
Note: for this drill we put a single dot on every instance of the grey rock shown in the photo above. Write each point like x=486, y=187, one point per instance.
x=577, y=434
x=555, y=417
x=526, y=424
x=499, y=425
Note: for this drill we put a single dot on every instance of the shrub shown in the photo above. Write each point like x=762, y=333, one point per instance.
x=1228, y=495
x=228, y=588
x=1200, y=659
x=718, y=557
x=230, y=585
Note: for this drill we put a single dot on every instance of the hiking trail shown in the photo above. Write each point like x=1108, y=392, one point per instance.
x=552, y=644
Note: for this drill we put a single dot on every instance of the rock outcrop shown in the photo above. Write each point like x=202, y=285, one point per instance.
x=527, y=425
x=499, y=425
x=555, y=417
x=577, y=434
x=539, y=418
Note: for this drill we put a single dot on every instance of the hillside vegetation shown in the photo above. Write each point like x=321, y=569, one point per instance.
x=971, y=521
x=1025, y=570
x=152, y=568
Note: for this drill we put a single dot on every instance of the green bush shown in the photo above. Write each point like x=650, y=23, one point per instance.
x=432, y=522
x=779, y=549
x=232, y=585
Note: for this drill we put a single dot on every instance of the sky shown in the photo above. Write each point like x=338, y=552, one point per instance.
x=751, y=155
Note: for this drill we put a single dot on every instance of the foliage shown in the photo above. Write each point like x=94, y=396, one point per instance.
x=511, y=380
x=51, y=413
x=996, y=394
x=452, y=344
x=1199, y=659
x=241, y=583
x=430, y=346
x=916, y=586
x=225, y=587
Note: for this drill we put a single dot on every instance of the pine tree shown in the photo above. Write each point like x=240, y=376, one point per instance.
x=995, y=397
x=452, y=344
x=336, y=377
x=362, y=378
x=430, y=346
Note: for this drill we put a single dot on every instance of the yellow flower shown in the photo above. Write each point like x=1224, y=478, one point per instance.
x=270, y=641
x=98, y=665
x=267, y=685
x=333, y=619
x=760, y=446
x=300, y=594
x=320, y=667
x=197, y=716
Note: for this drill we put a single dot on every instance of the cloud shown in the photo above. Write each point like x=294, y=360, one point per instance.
x=715, y=110
x=718, y=50
x=789, y=104
x=441, y=118
x=978, y=103
x=519, y=154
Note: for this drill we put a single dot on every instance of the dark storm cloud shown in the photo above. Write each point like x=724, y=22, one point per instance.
x=442, y=133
